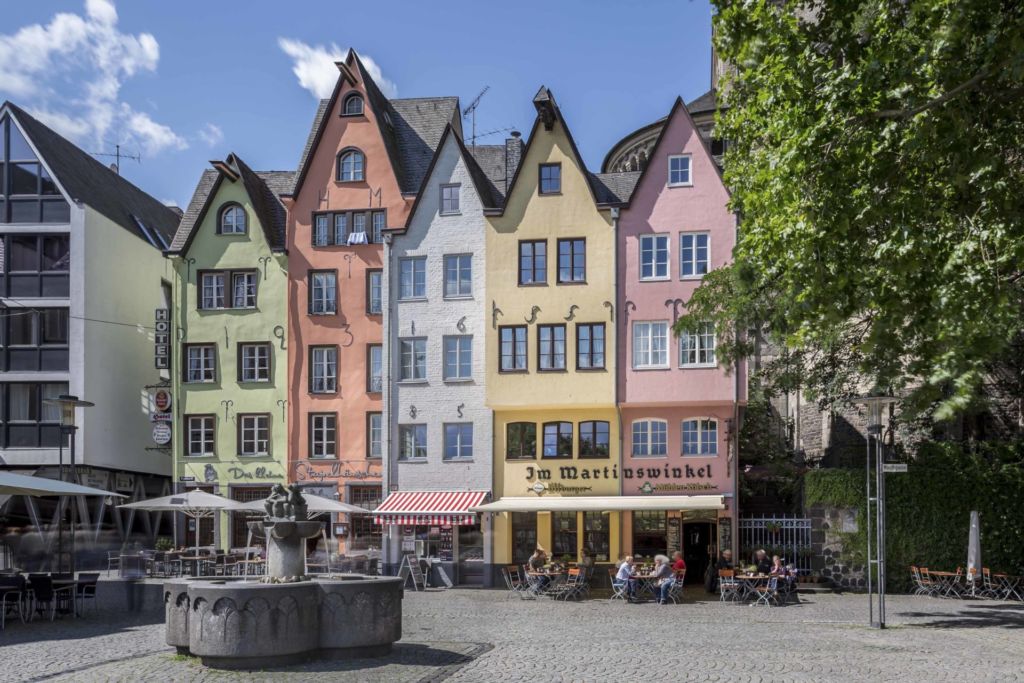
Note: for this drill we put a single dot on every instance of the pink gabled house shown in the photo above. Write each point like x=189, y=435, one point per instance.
x=678, y=405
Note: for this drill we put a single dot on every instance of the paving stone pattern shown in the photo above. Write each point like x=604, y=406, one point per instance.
x=466, y=635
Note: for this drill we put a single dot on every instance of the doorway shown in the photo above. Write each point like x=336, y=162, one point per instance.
x=699, y=542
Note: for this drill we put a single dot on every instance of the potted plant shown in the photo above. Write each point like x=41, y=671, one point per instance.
x=163, y=544
x=773, y=527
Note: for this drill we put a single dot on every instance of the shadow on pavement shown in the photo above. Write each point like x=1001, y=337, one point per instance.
x=973, y=615
x=91, y=625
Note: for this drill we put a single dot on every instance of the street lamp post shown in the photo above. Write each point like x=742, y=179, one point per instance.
x=875, y=402
x=68, y=405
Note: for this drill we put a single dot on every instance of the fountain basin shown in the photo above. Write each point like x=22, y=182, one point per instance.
x=242, y=625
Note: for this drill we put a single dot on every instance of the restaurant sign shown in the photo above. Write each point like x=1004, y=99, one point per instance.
x=259, y=473
x=573, y=472
x=333, y=470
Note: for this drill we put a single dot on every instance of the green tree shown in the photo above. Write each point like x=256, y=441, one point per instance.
x=876, y=162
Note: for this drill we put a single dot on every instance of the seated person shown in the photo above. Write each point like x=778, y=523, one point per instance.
x=663, y=575
x=711, y=578
x=625, y=576
x=586, y=560
x=764, y=565
x=777, y=569
x=536, y=564
x=678, y=564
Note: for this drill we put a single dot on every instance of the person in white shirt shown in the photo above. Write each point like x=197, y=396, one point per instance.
x=625, y=575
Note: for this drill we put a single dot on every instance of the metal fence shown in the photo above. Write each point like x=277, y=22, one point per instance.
x=787, y=537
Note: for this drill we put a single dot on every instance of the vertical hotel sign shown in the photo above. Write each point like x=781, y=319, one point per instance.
x=162, y=339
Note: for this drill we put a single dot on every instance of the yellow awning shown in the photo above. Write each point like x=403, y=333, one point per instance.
x=601, y=503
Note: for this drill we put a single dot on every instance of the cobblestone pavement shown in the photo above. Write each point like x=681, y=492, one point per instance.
x=480, y=636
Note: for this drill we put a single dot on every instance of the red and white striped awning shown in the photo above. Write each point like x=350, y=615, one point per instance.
x=429, y=507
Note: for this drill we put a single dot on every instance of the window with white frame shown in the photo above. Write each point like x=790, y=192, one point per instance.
x=254, y=435
x=650, y=344
x=413, y=355
x=697, y=348
x=212, y=290
x=412, y=278
x=321, y=229
x=243, y=288
x=650, y=438
x=412, y=442
x=255, y=363
x=323, y=361
x=458, y=275
x=654, y=257
x=323, y=292
x=323, y=435
x=375, y=430
x=359, y=223
x=694, y=250
x=700, y=436
x=374, y=363
x=232, y=220
x=449, y=199
x=201, y=430
x=679, y=170
x=201, y=363
x=458, y=357
x=374, y=298
x=379, y=223
x=458, y=441
x=351, y=165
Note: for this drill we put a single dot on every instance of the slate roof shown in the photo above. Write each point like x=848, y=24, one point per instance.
x=490, y=162
x=410, y=129
x=614, y=188
x=94, y=184
x=263, y=188
x=705, y=103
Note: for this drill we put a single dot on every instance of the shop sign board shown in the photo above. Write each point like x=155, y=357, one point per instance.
x=161, y=433
x=162, y=400
x=894, y=467
x=162, y=339
x=334, y=470
x=570, y=479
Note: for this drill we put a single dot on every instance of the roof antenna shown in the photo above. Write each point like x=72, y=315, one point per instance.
x=116, y=166
x=471, y=112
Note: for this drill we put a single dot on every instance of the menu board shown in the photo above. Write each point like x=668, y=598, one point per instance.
x=446, y=549
x=674, y=535
x=724, y=534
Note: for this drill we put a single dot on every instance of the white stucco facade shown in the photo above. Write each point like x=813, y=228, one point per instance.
x=434, y=401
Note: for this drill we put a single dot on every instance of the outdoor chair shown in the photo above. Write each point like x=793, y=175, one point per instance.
x=46, y=597
x=570, y=588
x=374, y=567
x=989, y=589
x=514, y=582
x=675, y=593
x=12, y=598
x=85, y=589
x=728, y=586
x=620, y=589
x=768, y=594
x=113, y=560
x=934, y=587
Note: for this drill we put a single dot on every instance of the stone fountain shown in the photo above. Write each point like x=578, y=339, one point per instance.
x=286, y=617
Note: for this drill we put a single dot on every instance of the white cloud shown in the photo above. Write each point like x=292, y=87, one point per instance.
x=211, y=134
x=69, y=73
x=314, y=66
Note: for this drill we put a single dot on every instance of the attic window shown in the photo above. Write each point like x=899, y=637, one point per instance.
x=353, y=105
x=351, y=166
x=232, y=220
x=550, y=178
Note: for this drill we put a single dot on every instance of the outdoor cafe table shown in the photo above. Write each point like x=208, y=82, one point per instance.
x=947, y=581
x=535, y=583
x=196, y=561
x=645, y=583
x=749, y=582
x=1009, y=585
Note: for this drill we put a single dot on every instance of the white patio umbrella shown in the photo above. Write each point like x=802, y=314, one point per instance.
x=314, y=504
x=26, y=485
x=194, y=503
x=974, y=550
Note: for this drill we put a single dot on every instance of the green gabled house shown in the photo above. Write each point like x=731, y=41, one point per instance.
x=229, y=358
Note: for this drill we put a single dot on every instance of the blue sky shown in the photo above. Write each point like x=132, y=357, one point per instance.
x=184, y=82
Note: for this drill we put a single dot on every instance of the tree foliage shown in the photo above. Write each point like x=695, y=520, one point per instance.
x=876, y=162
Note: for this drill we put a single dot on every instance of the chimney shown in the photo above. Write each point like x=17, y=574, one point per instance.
x=513, y=156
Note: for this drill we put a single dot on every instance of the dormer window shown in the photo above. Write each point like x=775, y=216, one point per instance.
x=353, y=105
x=679, y=171
x=232, y=220
x=351, y=165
